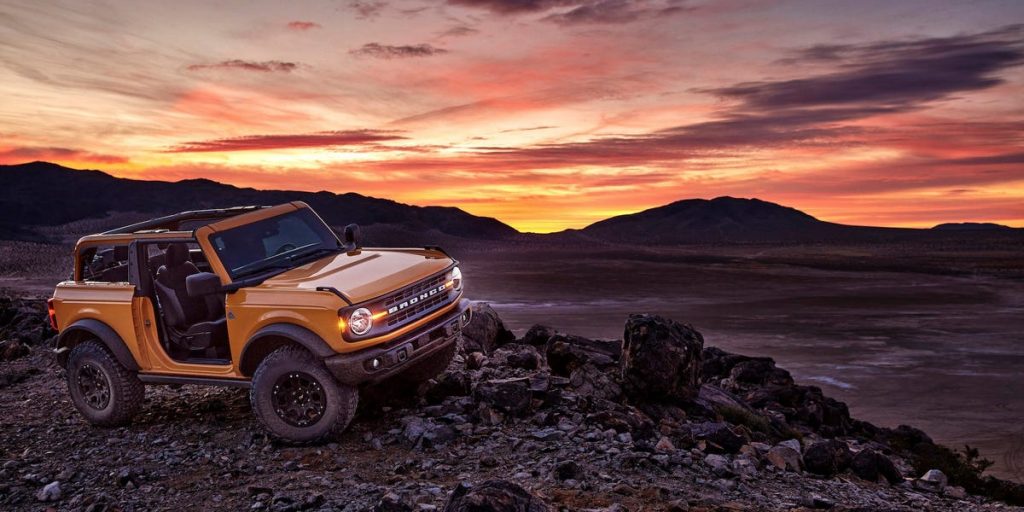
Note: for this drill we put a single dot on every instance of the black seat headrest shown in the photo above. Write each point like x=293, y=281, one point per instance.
x=176, y=254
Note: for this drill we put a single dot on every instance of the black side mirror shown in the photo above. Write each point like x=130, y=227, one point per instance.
x=352, y=238
x=203, y=283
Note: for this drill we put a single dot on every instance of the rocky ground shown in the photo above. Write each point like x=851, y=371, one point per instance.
x=550, y=421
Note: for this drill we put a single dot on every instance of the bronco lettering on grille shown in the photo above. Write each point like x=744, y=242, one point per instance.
x=413, y=301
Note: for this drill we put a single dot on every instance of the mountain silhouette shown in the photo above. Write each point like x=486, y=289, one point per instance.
x=971, y=226
x=40, y=194
x=44, y=194
x=738, y=220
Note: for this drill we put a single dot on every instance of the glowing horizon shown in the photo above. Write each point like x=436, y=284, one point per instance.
x=546, y=115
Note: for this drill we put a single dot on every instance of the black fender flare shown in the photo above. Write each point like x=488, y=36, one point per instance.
x=274, y=336
x=90, y=328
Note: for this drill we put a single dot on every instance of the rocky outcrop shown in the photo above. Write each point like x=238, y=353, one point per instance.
x=566, y=353
x=827, y=457
x=871, y=465
x=23, y=325
x=485, y=332
x=544, y=422
x=661, y=360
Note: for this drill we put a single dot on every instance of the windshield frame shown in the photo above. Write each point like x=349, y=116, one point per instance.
x=275, y=264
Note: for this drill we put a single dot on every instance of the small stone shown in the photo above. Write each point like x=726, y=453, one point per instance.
x=677, y=506
x=932, y=481
x=624, y=489
x=744, y=467
x=783, y=458
x=719, y=465
x=665, y=446
x=956, y=492
x=49, y=492
x=818, y=502
x=724, y=485
x=793, y=444
x=568, y=470
x=475, y=361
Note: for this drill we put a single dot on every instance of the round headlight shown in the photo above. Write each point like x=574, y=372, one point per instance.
x=361, y=321
x=456, y=278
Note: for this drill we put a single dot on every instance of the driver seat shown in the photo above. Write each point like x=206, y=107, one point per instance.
x=195, y=324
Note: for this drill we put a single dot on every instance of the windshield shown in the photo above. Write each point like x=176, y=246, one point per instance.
x=278, y=243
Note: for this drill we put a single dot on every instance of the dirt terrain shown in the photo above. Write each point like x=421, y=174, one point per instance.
x=545, y=421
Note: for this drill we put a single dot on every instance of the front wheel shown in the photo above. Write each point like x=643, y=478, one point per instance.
x=104, y=392
x=297, y=400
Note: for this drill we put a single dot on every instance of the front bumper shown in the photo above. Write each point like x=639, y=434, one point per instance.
x=377, y=363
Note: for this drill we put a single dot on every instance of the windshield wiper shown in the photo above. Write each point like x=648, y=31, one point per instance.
x=319, y=250
x=261, y=270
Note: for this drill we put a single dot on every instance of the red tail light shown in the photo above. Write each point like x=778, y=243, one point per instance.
x=52, y=312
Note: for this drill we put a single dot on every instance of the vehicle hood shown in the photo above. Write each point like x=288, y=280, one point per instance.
x=364, y=274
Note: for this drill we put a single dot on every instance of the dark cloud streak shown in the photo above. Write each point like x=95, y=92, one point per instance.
x=901, y=75
x=268, y=66
x=581, y=12
x=307, y=140
x=303, y=25
x=386, y=51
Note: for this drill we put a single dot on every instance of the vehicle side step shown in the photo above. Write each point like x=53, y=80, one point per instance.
x=153, y=378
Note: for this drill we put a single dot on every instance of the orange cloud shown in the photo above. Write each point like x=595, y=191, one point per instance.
x=67, y=156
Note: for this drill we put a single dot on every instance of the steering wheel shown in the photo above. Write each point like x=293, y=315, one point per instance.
x=284, y=248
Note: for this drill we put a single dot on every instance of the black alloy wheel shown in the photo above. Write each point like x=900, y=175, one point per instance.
x=299, y=399
x=94, y=386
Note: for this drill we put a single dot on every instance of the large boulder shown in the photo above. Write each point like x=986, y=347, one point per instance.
x=661, y=359
x=784, y=457
x=591, y=382
x=538, y=335
x=493, y=496
x=517, y=355
x=869, y=465
x=719, y=437
x=485, y=331
x=827, y=458
x=25, y=321
x=511, y=396
x=565, y=353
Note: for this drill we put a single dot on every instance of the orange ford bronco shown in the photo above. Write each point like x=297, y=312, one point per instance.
x=267, y=298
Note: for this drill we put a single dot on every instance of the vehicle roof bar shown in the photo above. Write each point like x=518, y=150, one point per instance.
x=173, y=220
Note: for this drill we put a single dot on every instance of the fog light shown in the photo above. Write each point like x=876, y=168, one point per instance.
x=375, y=363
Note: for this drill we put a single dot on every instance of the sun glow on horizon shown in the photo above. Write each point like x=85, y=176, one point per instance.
x=540, y=118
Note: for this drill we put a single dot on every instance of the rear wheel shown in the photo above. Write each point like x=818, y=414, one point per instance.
x=297, y=400
x=104, y=392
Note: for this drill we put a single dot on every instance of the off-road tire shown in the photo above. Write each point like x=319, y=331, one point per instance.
x=339, y=400
x=428, y=368
x=90, y=360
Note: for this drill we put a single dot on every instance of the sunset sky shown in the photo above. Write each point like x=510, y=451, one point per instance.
x=546, y=114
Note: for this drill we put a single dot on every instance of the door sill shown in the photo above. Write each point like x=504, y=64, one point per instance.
x=156, y=378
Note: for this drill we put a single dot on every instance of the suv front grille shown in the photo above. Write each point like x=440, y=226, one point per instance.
x=416, y=301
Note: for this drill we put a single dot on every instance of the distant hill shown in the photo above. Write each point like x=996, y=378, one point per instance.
x=45, y=194
x=737, y=220
x=971, y=226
